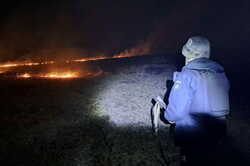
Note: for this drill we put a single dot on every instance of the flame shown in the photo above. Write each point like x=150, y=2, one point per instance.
x=51, y=75
x=19, y=64
x=25, y=75
x=65, y=74
x=60, y=75
x=124, y=54
x=8, y=65
x=91, y=59
x=2, y=71
x=93, y=74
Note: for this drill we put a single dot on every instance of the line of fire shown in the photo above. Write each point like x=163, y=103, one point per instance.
x=62, y=74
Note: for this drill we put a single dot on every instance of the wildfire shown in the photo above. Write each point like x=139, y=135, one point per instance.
x=20, y=64
x=61, y=75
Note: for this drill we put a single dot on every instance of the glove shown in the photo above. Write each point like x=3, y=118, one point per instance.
x=155, y=115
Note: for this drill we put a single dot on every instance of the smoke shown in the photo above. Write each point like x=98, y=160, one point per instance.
x=67, y=30
x=50, y=30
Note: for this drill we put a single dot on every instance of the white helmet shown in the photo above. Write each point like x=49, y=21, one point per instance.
x=196, y=47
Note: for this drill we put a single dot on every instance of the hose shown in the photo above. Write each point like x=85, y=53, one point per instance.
x=155, y=112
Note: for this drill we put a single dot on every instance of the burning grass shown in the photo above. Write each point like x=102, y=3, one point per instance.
x=25, y=75
x=62, y=71
x=3, y=70
x=59, y=75
x=125, y=54
x=54, y=73
x=63, y=75
x=19, y=64
x=51, y=75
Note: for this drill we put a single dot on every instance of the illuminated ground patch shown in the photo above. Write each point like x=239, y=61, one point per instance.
x=125, y=98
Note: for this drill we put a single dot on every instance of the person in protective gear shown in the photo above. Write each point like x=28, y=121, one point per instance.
x=198, y=103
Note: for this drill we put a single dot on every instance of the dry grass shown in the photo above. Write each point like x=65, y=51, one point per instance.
x=98, y=122
x=64, y=122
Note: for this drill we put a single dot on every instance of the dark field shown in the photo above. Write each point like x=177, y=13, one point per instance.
x=60, y=122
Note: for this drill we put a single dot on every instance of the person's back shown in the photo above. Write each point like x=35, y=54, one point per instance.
x=199, y=101
x=210, y=88
x=200, y=88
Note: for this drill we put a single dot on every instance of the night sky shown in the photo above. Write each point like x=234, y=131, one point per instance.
x=48, y=29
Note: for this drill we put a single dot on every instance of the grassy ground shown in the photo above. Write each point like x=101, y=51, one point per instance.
x=56, y=122
x=53, y=122
x=60, y=129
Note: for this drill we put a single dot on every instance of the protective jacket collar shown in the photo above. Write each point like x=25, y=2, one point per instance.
x=204, y=64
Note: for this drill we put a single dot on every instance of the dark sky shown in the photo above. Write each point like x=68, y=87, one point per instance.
x=31, y=29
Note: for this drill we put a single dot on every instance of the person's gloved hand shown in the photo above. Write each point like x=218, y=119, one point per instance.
x=155, y=114
x=161, y=107
x=163, y=119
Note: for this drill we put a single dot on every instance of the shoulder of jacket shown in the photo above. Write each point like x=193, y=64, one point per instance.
x=185, y=74
x=187, y=77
